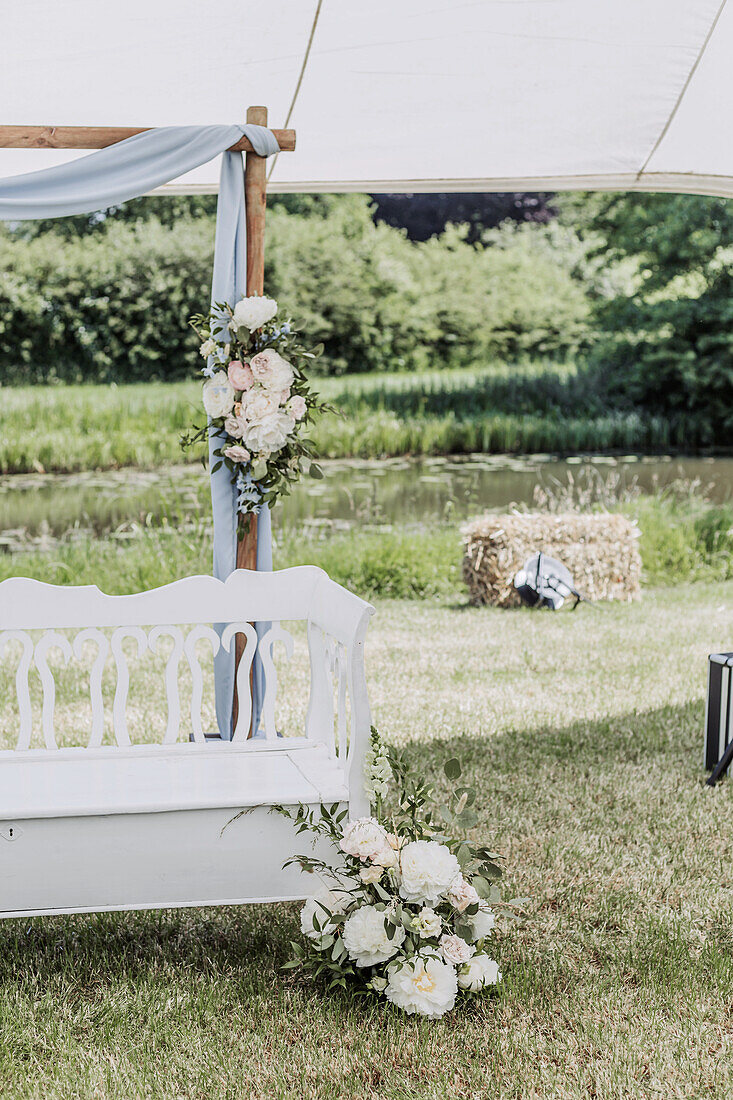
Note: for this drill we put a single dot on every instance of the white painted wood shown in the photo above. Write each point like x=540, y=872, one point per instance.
x=22, y=687
x=319, y=722
x=50, y=640
x=125, y=826
x=268, y=640
x=91, y=634
x=244, y=694
x=197, y=688
x=340, y=668
x=151, y=861
x=173, y=726
x=184, y=776
x=119, y=706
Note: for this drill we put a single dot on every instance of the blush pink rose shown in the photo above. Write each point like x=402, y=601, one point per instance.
x=237, y=453
x=240, y=375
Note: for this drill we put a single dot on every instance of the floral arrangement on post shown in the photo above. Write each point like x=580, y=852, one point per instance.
x=405, y=911
x=257, y=400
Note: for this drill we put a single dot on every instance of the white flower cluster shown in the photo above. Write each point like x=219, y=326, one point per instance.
x=377, y=770
x=253, y=398
x=419, y=961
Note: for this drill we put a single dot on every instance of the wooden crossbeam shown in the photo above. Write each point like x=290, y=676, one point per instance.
x=99, y=137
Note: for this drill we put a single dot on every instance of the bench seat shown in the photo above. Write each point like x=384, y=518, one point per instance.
x=159, y=778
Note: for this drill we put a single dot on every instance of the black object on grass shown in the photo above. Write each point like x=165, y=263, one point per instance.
x=718, y=719
x=545, y=582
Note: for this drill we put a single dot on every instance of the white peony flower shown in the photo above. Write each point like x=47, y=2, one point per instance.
x=335, y=901
x=478, y=972
x=462, y=894
x=427, y=923
x=365, y=937
x=366, y=839
x=427, y=870
x=218, y=395
x=208, y=348
x=363, y=838
x=272, y=371
x=254, y=312
x=455, y=950
x=422, y=985
x=270, y=433
x=258, y=403
x=482, y=924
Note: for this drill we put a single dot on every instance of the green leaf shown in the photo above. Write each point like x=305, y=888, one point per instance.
x=452, y=768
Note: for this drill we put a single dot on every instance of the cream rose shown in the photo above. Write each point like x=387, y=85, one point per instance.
x=371, y=873
x=462, y=894
x=269, y=433
x=455, y=950
x=234, y=427
x=365, y=937
x=427, y=870
x=272, y=371
x=254, y=312
x=240, y=375
x=208, y=348
x=423, y=985
x=297, y=407
x=427, y=923
x=218, y=395
x=478, y=972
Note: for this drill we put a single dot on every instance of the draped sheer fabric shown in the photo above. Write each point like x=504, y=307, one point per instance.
x=124, y=171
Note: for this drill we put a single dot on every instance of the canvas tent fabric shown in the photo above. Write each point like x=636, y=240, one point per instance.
x=397, y=95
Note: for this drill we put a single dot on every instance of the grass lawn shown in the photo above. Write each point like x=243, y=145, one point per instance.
x=582, y=734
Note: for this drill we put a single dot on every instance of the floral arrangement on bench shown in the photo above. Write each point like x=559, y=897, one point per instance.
x=404, y=911
x=257, y=400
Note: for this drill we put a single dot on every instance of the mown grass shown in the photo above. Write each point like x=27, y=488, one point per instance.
x=582, y=735
x=523, y=409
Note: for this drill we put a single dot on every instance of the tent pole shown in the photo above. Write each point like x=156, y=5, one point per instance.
x=255, y=198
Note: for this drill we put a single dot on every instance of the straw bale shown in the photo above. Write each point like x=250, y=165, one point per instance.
x=600, y=550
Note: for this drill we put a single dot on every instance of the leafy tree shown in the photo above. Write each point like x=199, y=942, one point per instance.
x=667, y=344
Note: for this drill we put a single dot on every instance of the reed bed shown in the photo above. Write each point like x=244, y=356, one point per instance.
x=518, y=410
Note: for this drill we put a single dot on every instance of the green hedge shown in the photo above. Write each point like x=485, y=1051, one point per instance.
x=113, y=305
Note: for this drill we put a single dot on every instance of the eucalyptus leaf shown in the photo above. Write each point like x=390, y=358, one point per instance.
x=452, y=768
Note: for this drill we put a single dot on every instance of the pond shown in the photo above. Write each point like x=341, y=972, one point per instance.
x=40, y=507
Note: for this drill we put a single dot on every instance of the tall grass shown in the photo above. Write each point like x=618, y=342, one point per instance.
x=683, y=539
x=519, y=410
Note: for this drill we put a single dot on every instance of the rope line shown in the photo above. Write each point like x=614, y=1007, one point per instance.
x=683, y=92
x=306, y=55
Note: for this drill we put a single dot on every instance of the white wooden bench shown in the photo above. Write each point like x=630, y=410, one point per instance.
x=135, y=826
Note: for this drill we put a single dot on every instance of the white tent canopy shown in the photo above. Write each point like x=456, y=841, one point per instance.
x=396, y=95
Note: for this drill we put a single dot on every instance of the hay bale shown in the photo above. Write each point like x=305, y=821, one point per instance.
x=601, y=551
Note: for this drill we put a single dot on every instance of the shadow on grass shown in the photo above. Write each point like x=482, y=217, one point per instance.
x=602, y=778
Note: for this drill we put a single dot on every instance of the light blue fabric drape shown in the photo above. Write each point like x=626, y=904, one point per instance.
x=124, y=171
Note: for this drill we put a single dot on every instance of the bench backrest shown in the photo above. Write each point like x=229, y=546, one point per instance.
x=216, y=612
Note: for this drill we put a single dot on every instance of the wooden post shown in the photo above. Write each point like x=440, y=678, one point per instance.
x=255, y=198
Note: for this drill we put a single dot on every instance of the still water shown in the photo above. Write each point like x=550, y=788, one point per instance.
x=37, y=507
